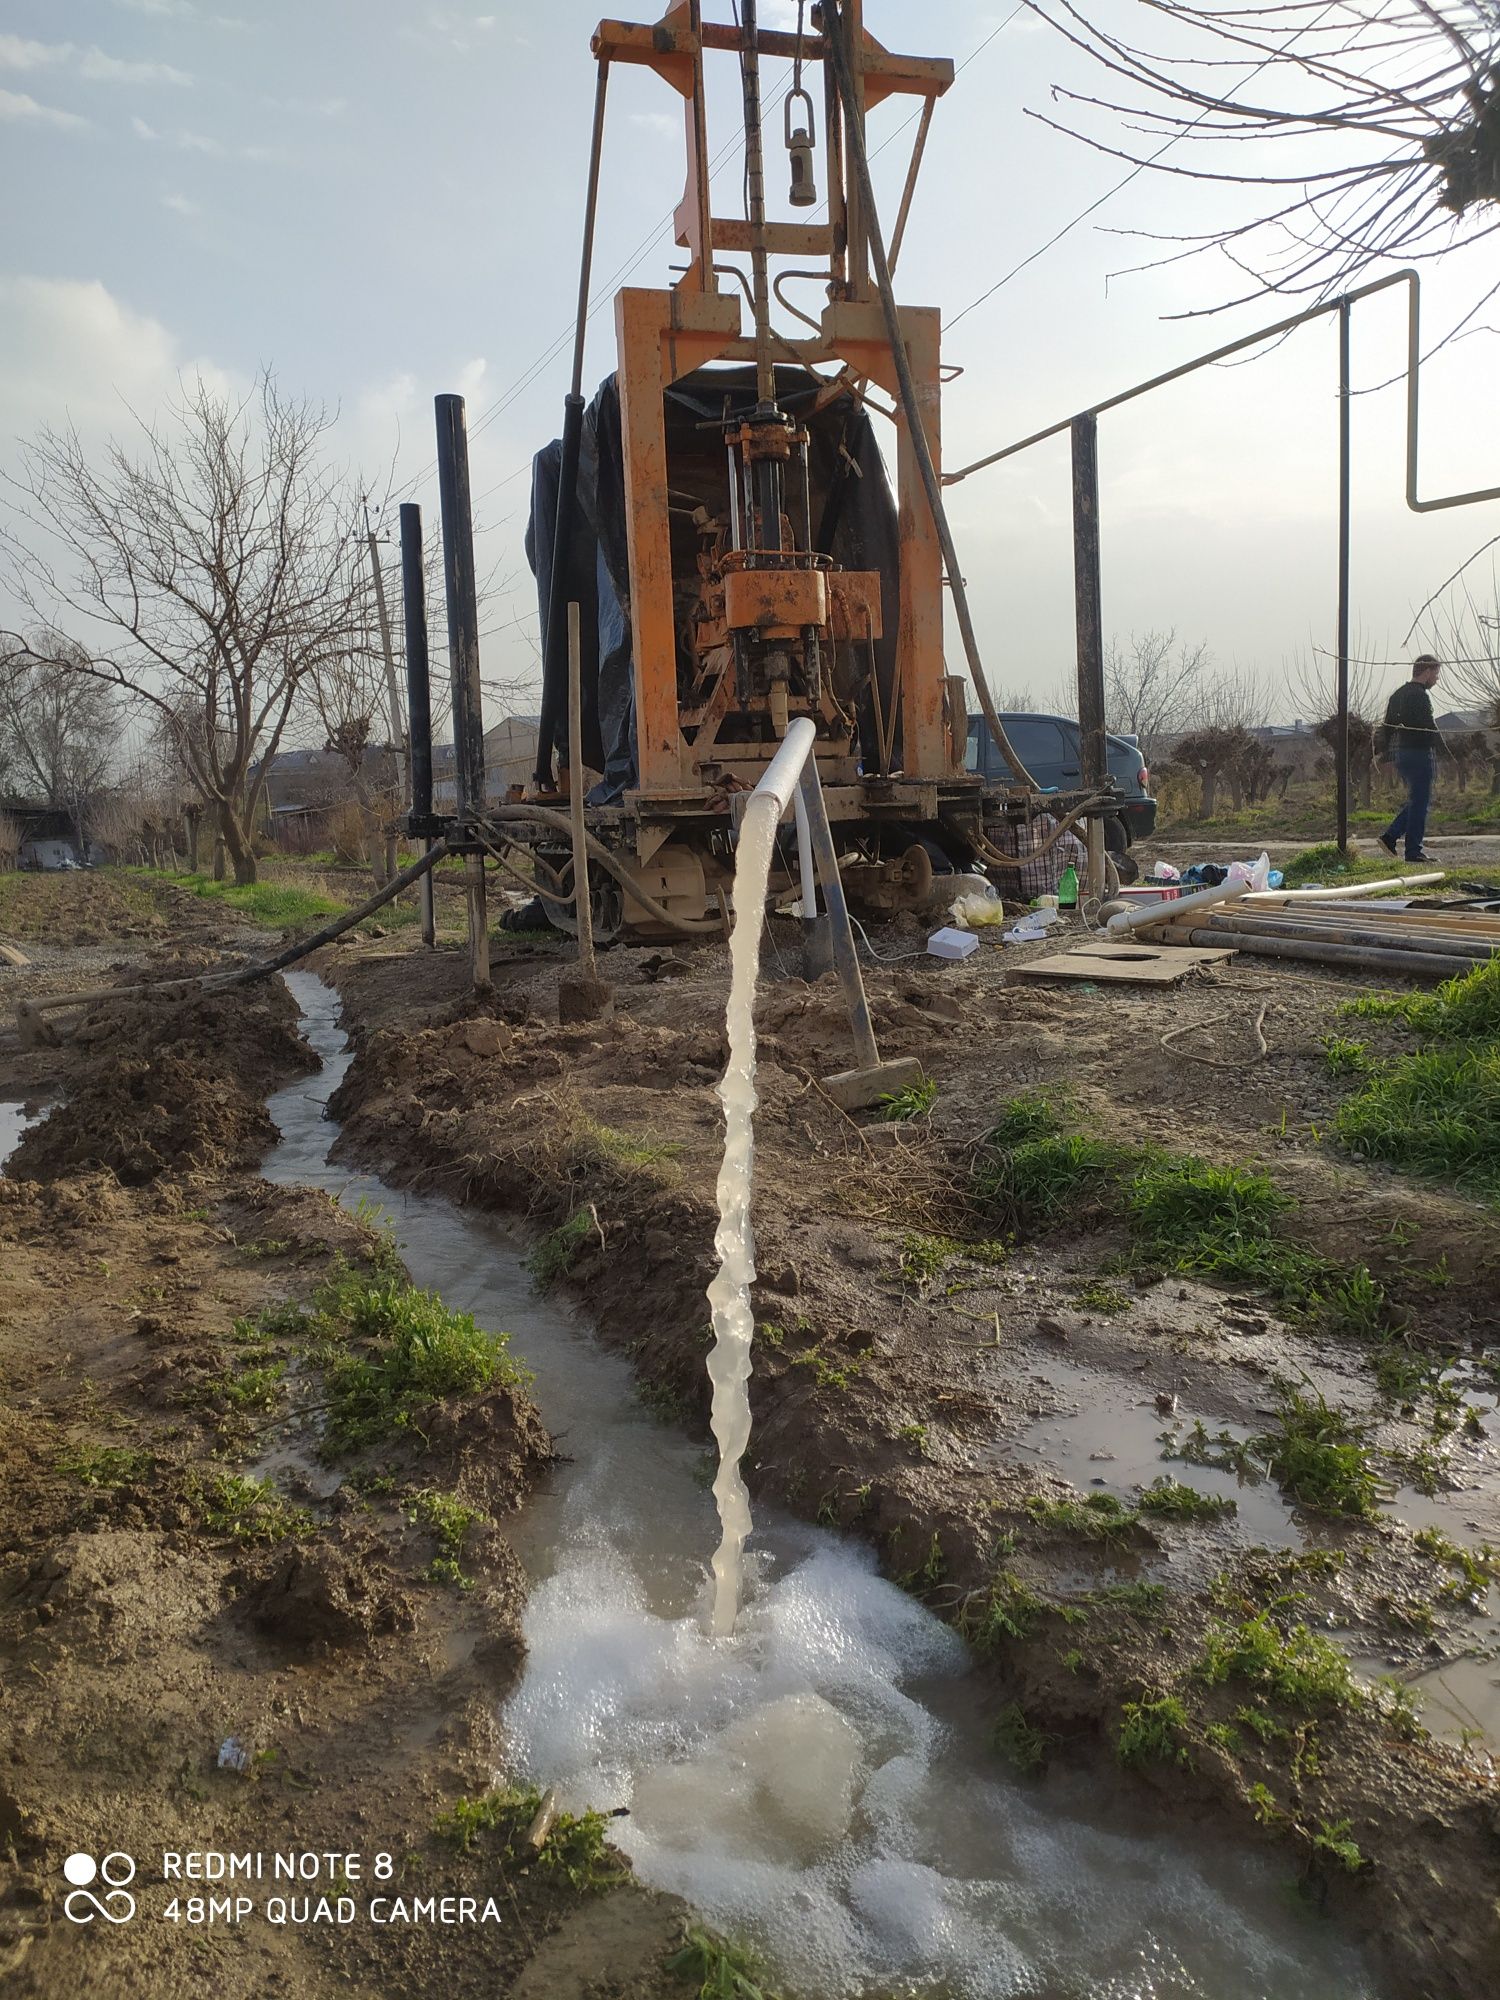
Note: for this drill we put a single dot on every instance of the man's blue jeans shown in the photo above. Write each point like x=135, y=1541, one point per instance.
x=1415, y=770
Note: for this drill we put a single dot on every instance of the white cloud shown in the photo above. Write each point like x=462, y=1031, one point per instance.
x=199, y=142
x=72, y=350
x=181, y=10
x=19, y=108
x=142, y=130
x=101, y=68
x=471, y=375
x=662, y=123
x=17, y=53
x=180, y=204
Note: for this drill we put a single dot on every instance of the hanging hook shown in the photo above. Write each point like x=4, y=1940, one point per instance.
x=799, y=144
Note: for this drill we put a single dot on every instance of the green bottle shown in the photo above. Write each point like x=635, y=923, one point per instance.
x=1067, y=889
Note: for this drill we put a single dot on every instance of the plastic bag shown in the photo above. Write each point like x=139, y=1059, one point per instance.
x=1256, y=873
x=1165, y=872
x=973, y=912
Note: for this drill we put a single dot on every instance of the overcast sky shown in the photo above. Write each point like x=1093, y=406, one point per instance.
x=383, y=201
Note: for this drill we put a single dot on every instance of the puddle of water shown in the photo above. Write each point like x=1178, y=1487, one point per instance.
x=820, y=1783
x=1111, y=1436
x=1459, y=1700
x=13, y=1122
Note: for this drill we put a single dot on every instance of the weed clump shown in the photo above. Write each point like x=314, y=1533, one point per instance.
x=1020, y=1743
x=1035, y=1181
x=107, y=1466
x=1172, y=1501
x=1152, y=1732
x=1096, y=1517
x=722, y=1971
x=558, y=1251
x=449, y=1520
x=1317, y=1453
x=916, y=1101
x=1004, y=1609
x=1300, y=1668
x=574, y=1845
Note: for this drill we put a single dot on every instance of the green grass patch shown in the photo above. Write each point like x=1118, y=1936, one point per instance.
x=250, y=1510
x=1152, y=1732
x=574, y=1847
x=1096, y=1517
x=1435, y=1114
x=1326, y=866
x=1345, y=1057
x=1100, y=1297
x=1037, y=1180
x=916, y=1101
x=107, y=1466
x=1170, y=1500
x=415, y=1351
x=277, y=905
x=556, y=1254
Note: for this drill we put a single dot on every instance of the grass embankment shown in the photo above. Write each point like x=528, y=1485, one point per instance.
x=1433, y=1111
x=283, y=902
x=1327, y=867
x=1307, y=813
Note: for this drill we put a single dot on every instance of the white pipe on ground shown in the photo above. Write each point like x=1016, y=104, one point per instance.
x=1159, y=913
x=1345, y=889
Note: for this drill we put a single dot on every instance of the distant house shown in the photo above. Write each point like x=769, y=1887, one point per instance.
x=49, y=838
x=1462, y=718
x=509, y=758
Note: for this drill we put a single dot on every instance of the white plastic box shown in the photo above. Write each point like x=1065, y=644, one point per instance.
x=949, y=943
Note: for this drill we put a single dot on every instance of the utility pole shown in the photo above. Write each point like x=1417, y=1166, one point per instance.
x=1341, y=717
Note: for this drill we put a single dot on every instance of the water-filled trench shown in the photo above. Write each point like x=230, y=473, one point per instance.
x=820, y=1783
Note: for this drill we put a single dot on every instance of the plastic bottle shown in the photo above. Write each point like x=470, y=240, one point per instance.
x=1067, y=889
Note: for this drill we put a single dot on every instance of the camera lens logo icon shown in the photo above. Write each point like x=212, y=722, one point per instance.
x=112, y=1903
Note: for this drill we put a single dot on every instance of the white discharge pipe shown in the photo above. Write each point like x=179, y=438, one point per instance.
x=1125, y=921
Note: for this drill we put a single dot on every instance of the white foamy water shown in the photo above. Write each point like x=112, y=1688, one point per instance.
x=819, y=1786
x=729, y=1294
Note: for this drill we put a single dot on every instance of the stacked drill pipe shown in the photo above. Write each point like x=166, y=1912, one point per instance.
x=1412, y=942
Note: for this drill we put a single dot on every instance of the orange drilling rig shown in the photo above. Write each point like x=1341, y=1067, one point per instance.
x=721, y=516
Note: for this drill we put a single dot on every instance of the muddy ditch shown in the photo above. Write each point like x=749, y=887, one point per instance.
x=981, y=1414
x=222, y=1627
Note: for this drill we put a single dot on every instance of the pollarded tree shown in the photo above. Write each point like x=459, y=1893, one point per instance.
x=59, y=725
x=214, y=554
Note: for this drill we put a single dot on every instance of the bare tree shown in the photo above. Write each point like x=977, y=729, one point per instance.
x=59, y=725
x=1391, y=108
x=215, y=553
x=1461, y=625
x=1152, y=684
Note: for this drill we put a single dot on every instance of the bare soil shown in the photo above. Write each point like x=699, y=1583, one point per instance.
x=146, y=1621
x=909, y=1403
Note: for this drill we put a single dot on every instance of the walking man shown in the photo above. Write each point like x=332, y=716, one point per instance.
x=1409, y=739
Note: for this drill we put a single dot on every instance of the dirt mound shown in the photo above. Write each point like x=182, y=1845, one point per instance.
x=328, y=1594
x=108, y=1593
x=491, y=1448
x=171, y=1088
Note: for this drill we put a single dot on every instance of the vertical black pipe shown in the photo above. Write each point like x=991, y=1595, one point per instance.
x=555, y=643
x=463, y=603
x=555, y=650
x=1088, y=607
x=418, y=691
x=1341, y=719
